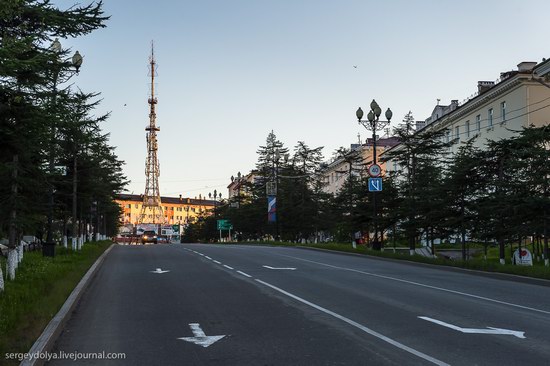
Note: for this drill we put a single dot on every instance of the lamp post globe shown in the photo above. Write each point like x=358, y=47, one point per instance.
x=389, y=114
x=359, y=113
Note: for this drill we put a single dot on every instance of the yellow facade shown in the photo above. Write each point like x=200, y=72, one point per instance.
x=176, y=210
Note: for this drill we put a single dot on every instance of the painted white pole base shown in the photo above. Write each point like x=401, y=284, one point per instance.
x=1, y=280
x=65, y=241
x=502, y=261
x=74, y=243
x=546, y=262
x=411, y=251
x=12, y=263
x=20, y=250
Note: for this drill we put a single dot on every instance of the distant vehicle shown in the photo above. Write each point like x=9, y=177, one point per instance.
x=149, y=237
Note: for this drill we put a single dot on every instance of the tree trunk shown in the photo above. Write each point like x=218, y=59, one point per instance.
x=545, y=233
x=75, y=230
x=432, y=241
x=64, y=231
x=1, y=280
x=501, y=239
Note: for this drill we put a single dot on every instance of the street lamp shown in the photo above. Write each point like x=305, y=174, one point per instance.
x=76, y=62
x=238, y=182
x=373, y=123
x=215, y=196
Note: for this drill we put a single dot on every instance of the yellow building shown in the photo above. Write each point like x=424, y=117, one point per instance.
x=177, y=210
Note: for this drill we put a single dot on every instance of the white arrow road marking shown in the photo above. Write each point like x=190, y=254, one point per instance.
x=200, y=338
x=158, y=270
x=289, y=268
x=489, y=330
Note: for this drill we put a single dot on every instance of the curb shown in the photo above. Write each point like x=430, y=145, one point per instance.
x=45, y=342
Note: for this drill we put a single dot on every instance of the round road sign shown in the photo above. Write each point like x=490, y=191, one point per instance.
x=375, y=170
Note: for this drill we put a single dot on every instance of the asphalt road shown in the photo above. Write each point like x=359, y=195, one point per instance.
x=292, y=306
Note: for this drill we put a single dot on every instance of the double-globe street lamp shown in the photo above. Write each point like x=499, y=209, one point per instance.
x=373, y=123
x=75, y=62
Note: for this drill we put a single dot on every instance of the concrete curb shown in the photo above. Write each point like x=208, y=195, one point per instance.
x=473, y=272
x=45, y=342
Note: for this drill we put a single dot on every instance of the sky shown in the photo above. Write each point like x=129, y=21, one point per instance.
x=231, y=71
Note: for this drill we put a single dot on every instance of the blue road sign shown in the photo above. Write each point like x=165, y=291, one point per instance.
x=375, y=184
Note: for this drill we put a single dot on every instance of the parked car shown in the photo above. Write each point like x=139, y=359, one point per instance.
x=149, y=237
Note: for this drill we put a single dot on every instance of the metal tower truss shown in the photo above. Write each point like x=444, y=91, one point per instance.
x=151, y=209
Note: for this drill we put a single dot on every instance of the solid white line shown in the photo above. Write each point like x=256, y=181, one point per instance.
x=226, y=266
x=269, y=267
x=207, y=257
x=217, y=262
x=244, y=274
x=424, y=285
x=359, y=326
x=200, y=254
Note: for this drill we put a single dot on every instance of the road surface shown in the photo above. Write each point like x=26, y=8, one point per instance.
x=159, y=304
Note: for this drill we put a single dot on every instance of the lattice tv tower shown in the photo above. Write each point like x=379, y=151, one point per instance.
x=151, y=209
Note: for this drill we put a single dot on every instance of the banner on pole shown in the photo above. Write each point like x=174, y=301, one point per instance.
x=271, y=208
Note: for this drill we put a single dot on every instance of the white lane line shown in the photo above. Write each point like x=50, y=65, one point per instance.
x=244, y=274
x=289, y=268
x=359, y=326
x=226, y=266
x=216, y=262
x=201, y=254
x=207, y=257
x=424, y=285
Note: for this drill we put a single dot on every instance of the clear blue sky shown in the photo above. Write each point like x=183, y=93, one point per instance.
x=229, y=72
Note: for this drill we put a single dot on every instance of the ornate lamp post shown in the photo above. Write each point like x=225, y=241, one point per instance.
x=215, y=196
x=373, y=123
x=238, y=182
x=76, y=63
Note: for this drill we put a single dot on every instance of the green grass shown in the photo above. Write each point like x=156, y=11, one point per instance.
x=492, y=264
x=41, y=286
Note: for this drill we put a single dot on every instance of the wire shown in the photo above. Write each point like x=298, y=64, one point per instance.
x=493, y=125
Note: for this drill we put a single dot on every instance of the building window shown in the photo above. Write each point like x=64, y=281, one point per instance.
x=467, y=128
x=503, y=111
x=448, y=135
x=490, y=117
x=129, y=205
x=478, y=122
x=457, y=132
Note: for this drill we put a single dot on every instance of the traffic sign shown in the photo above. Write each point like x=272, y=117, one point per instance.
x=375, y=184
x=224, y=225
x=375, y=170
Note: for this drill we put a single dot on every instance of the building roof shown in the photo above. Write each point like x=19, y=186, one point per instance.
x=171, y=200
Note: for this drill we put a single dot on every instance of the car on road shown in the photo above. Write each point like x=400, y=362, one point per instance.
x=149, y=237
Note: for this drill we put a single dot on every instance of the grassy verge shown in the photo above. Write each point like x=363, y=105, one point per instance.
x=491, y=264
x=41, y=287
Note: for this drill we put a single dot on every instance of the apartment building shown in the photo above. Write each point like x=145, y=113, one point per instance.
x=177, y=210
x=498, y=109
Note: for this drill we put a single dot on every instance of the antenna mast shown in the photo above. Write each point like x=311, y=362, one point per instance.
x=151, y=209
